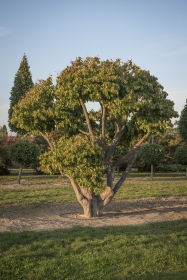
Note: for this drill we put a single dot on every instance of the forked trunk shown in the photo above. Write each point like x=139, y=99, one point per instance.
x=92, y=204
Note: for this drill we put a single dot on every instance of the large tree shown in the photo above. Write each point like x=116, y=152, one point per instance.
x=22, y=83
x=131, y=105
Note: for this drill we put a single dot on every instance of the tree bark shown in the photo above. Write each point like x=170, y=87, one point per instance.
x=19, y=174
x=87, y=119
x=109, y=176
x=151, y=172
x=90, y=202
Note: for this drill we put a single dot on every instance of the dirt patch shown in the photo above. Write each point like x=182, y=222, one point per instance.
x=68, y=214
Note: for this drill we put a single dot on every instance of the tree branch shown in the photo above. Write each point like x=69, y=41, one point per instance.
x=103, y=123
x=126, y=172
x=47, y=139
x=110, y=148
x=87, y=119
x=121, y=159
x=83, y=132
x=76, y=188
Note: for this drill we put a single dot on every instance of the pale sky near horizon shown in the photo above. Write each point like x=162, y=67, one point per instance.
x=52, y=33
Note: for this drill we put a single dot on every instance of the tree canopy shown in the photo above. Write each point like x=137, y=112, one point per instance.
x=24, y=153
x=181, y=156
x=152, y=153
x=132, y=105
x=4, y=154
x=183, y=123
x=22, y=83
x=3, y=130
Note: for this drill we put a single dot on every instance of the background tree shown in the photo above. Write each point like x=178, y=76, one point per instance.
x=152, y=154
x=4, y=154
x=43, y=146
x=132, y=104
x=183, y=123
x=170, y=140
x=22, y=83
x=181, y=156
x=25, y=154
x=3, y=130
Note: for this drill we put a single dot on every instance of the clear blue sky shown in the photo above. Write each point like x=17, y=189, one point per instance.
x=153, y=33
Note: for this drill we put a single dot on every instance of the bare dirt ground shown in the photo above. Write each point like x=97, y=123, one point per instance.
x=51, y=216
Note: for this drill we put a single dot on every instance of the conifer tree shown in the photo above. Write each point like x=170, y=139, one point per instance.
x=3, y=130
x=22, y=83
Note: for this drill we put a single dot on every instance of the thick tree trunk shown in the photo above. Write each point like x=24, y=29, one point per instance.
x=91, y=202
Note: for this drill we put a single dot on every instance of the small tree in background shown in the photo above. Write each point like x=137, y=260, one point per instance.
x=152, y=154
x=183, y=123
x=22, y=83
x=25, y=154
x=181, y=152
x=4, y=155
x=43, y=146
x=181, y=156
x=3, y=130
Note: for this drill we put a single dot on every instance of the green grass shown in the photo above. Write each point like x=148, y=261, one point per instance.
x=152, y=189
x=33, y=195
x=155, y=251
x=53, y=193
x=29, y=178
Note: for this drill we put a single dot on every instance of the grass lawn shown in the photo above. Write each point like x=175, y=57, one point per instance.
x=154, y=251
x=55, y=193
x=29, y=178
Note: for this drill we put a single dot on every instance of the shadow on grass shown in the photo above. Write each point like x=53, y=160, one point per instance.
x=153, y=251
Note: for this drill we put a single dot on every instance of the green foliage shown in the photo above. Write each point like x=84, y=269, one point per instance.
x=3, y=130
x=183, y=123
x=170, y=168
x=22, y=84
x=122, y=88
x=170, y=141
x=4, y=153
x=43, y=146
x=24, y=153
x=152, y=153
x=78, y=158
x=132, y=104
x=181, y=155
